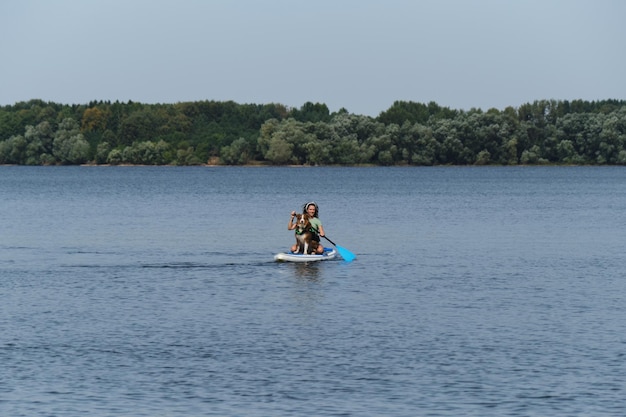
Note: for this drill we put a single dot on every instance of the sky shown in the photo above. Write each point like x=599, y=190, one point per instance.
x=360, y=55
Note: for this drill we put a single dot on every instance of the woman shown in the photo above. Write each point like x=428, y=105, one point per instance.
x=316, y=225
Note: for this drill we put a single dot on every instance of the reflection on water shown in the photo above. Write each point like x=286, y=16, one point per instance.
x=307, y=270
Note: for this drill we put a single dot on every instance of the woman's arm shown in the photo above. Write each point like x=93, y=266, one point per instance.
x=291, y=224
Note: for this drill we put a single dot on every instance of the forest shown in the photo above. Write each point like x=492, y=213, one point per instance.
x=556, y=132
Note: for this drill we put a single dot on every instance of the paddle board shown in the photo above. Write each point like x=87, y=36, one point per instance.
x=329, y=253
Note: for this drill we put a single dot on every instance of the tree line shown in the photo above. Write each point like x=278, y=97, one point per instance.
x=408, y=133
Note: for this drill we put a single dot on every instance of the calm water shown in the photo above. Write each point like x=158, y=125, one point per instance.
x=133, y=291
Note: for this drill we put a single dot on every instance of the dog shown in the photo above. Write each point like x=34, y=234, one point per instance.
x=304, y=236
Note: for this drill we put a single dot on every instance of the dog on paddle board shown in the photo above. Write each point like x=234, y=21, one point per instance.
x=304, y=236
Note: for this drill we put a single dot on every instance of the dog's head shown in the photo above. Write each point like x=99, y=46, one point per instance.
x=302, y=222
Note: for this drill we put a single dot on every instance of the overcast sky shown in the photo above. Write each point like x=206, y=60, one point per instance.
x=361, y=55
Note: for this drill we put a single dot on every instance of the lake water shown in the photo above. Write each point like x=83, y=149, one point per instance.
x=138, y=291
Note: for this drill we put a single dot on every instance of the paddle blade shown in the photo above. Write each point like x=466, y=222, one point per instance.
x=345, y=254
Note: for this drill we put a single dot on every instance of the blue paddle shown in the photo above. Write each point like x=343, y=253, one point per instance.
x=345, y=253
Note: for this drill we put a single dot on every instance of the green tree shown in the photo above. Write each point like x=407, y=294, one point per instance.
x=102, y=153
x=348, y=151
x=567, y=152
x=115, y=157
x=138, y=126
x=531, y=156
x=267, y=131
x=187, y=156
x=237, y=153
x=318, y=152
x=69, y=145
x=483, y=158
x=509, y=152
x=408, y=111
x=39, y=147
x=310, y=112
x=280, y=151
x=14, y=150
